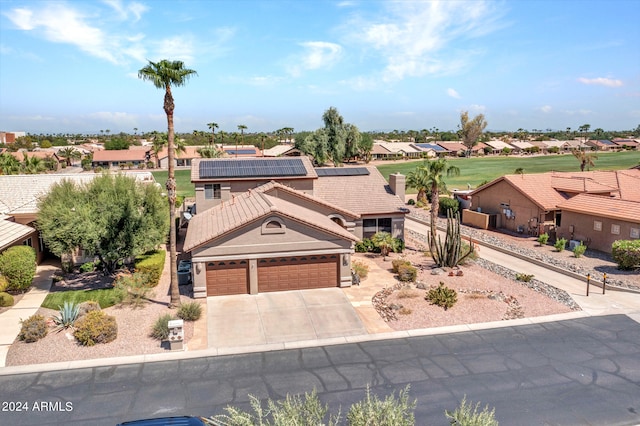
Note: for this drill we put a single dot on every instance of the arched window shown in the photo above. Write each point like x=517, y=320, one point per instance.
x=273, y=225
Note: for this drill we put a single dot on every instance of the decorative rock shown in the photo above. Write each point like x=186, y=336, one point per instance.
x=420, y=285
x=437, y=271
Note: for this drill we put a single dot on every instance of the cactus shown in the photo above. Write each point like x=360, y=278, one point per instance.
x=449, y=253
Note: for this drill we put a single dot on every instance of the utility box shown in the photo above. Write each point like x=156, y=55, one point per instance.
x=176, y=334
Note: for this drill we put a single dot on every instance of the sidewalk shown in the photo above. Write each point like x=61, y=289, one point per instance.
x=27, y=306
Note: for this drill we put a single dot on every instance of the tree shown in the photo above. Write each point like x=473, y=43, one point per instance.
x=113, y=217
x=213, y=126
x=69, y=154
x=585, y=158
x=242, y=128
x=317, y=145
x=365, y=147
x=352, y=141
x=210, y=152
x=471, y=130
x=584, y=129
x=417, y=179
x=159, y=141
x=116, y=143
x=336, y=135
x=164, y=75
x=32, y=165
x=9, y=165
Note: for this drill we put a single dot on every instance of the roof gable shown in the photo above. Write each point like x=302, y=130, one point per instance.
x=600, y=206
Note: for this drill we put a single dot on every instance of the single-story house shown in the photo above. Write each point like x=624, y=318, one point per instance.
x=13, y=233
x=626, y=143
x=272, y=224
x=455, y=149
x=241, y=151
x=181, y=159
x=498, y=146
x=282, y=150
x=396, y=150
x=109, y=158
x=431, y=149
x=521, y=146
x=601, y=145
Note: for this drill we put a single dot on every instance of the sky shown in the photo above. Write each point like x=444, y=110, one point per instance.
x=72, y=67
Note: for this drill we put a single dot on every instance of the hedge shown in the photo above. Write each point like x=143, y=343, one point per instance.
x=152, y=265
x=18, y=265
x=626, y=253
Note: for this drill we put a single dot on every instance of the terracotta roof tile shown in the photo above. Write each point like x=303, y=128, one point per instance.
x=120, y=155
x=597, y=205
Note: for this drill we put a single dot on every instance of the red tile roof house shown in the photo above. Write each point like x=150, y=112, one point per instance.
x=577, y=206
x=120, y=158
x=273, y=224
x=182, y=159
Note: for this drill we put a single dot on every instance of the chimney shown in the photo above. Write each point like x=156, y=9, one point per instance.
x=397, y=184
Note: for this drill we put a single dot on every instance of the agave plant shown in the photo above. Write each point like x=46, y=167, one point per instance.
x=68, y=314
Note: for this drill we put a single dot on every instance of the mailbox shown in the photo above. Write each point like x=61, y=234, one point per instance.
x=176, y=334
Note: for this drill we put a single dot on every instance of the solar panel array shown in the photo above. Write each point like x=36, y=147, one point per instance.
x=343, y=171
x=248, y=151
x=435, y=147
x=251, y=168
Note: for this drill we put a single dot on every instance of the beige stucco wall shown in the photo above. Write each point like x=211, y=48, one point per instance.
x=475, y=219
x=583, y=230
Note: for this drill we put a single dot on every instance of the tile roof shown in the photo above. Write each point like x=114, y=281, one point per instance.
x=596, y=205
x=396, y=147
x=225, y=162
x=120, y=155
x=189, y=152
x=453, y=146
x=364, y=194
x=428, y=146
x=498, y=144
x=521, y=145
x=278, y=150
x=19, y=155
x=249, y=207
x=11, y=232
x=379, y=149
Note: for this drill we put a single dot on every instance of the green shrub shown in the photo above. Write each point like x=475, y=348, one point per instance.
x=468, y=415
x=87, y=267
x=442, y=296
x=133, y=288
x=360, y=269
x=560, y=244
x=18, y=265
x=5, y=300
x=88, y=306
x=579, y=249
x=524, y=277
x=407, y=273
x=411, y=202
x=67, y=315
x=543, y=239
x=448, y=204
x=396, y=263
x=190, y=311
x=160, y=329
x=398, y=245
x=33, y=329
x=4, y=283
x=96, y=327
x=151, y=264
x=364, y=246
x=626, y=253
x=390, y=411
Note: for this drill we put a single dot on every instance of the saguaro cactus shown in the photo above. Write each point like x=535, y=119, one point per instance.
x=449, y=253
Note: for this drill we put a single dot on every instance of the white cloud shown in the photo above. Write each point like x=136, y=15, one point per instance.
x=453, y=93
x=134, y=8
x=601, y=81
x=180, y=47
x=416, y=38
x=545, y=108
x=478, y=109
x=317, y=55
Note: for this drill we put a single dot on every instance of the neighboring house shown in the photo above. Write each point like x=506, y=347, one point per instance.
x=400, y=149
x=432, y=149
x=626, y=143
x=182, y=159
x=41, y=154
x=379, y=152
x=498, y=146
x=20, y=194
x=274, y=224
x=521, y=146
x=13, y=233
x=455, y=149
x=120, y=158
x=282, y=150
x=601, y=145
x=241, y=151
x=536, y=203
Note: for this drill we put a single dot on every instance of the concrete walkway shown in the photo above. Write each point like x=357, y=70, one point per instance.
x=27, y=306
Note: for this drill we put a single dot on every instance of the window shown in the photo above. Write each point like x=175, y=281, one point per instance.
x=212, y=191
x=597, y=225
x=635, y=233
x=615, y=229
x=558, y=219
x=27, y=242
x=384, y=225
x=371, y=226
x=273, y=225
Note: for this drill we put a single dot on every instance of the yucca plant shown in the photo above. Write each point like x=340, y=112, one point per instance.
x=67, y=315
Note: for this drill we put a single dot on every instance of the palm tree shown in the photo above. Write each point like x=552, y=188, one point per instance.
x=210, y=152
x=32, y=165
x=222, y=134
x=69, y=154
x=585, y=158
x=163, y=75
x=242, y=128
x=417, y=179
x=159, y=141
x=236, y=136
x=9, y=165
x=213, y=126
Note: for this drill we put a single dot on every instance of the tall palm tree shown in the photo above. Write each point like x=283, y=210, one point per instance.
x=585, y=158
x=32, y=165
x=222, y=134
x=213, y=126
x=165, y=74
x=242, y=128
x=159, y=141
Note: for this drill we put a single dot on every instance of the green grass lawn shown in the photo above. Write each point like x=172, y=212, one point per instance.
x=183, y=181
x=476, y=170
x=105, y=297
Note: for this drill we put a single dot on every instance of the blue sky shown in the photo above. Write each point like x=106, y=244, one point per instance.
x=71, y=67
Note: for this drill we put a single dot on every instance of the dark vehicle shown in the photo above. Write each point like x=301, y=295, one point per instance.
x=166, y=421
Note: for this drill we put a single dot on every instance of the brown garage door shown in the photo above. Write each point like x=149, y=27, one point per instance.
x=227, y=277
x=297, y=272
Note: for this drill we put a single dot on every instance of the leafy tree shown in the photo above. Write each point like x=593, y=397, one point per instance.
x=586, y=158
x=164, y=75
x=317, y=145
x=116, y=143
x=45, y=144
x=336, y=134
x=69, y=154
x=18, y=266
x=471, y=130
x=417, y=179
x=352, y=141
x=113, y=218
x=365, y=147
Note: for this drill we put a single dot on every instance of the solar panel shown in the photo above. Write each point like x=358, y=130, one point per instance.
x=430, y=145
x=343, y=171
x=252, y=168
x=240, y=151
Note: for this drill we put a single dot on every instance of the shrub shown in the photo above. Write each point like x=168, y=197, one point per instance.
x=4, y=283
x=67, y=315
x=560, y=244
x=468, y=415
x=543, y=239
x=364, y=246
x=524, y=277
x=442, y=296
x=389, y=411
x=360, y=269
x=396, y=263
x=384, y=242
x=411, y=202
x=88, y=306
x=190, y=311
x=18, y=265
x=397, y=245
x=151, y=264
x=407, y=273
x=133, y=288
x=160, y=328
x=579, y=249
x=96, y=327
x=33, y=329
x=626, y=253
x=448, y=204
x=87, y=267
x=5, y=300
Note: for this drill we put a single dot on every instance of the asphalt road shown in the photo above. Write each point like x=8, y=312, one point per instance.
x=577, y=372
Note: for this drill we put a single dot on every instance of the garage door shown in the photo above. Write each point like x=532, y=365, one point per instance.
x=227, y=277
x=297, y=272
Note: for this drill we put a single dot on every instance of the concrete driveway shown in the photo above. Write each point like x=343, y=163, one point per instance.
x=248, y=320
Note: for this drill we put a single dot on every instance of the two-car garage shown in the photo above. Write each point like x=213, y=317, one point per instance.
x=274, y=274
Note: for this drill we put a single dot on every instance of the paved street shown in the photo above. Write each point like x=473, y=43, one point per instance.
x=584, y=371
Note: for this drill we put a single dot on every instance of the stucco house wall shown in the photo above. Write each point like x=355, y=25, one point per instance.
x=596, y=232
